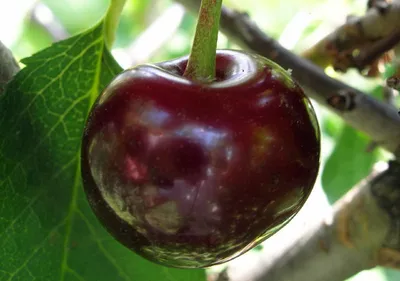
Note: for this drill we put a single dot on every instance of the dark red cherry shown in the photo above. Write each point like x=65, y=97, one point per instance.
x=188, y=174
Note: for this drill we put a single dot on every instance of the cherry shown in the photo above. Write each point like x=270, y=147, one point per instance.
x=190, y=174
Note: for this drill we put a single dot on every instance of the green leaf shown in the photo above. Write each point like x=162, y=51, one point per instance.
x=348, y=163
x=47, y=230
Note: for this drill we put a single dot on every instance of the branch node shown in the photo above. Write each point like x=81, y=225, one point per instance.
x=343, y=101
x=387, y=194
x=381, y=5
x=389, y=258
x=324, y=245
x=343, y=230
x=393, y=82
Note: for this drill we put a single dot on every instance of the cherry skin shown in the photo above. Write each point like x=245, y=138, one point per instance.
x=190, y=174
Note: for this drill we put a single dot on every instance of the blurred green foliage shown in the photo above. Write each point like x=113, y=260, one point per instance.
x=348, y=164
x=298, y=24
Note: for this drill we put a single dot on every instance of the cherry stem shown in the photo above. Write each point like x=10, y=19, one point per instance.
x=111, y=21
x=201, y=63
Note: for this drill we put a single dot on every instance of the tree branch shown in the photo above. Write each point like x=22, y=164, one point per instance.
x=371, y=53
x=380, y=21
x=378, y=120
x=361, y=232
x=8, y=66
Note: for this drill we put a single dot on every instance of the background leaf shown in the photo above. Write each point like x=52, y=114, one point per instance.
x=47, y=230
x=348, y=163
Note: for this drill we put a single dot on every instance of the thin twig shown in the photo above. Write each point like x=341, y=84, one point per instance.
x=376, y=49
x=380, y=20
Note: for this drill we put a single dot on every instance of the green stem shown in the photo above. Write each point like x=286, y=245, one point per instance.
x=201, y=63
x=111, y=21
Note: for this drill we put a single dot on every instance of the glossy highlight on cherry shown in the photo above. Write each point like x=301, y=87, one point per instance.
x=191, y=175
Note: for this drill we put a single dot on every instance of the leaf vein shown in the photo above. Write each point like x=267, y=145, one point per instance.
x=33, y=253
x=39, y=93
x=101, y=247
